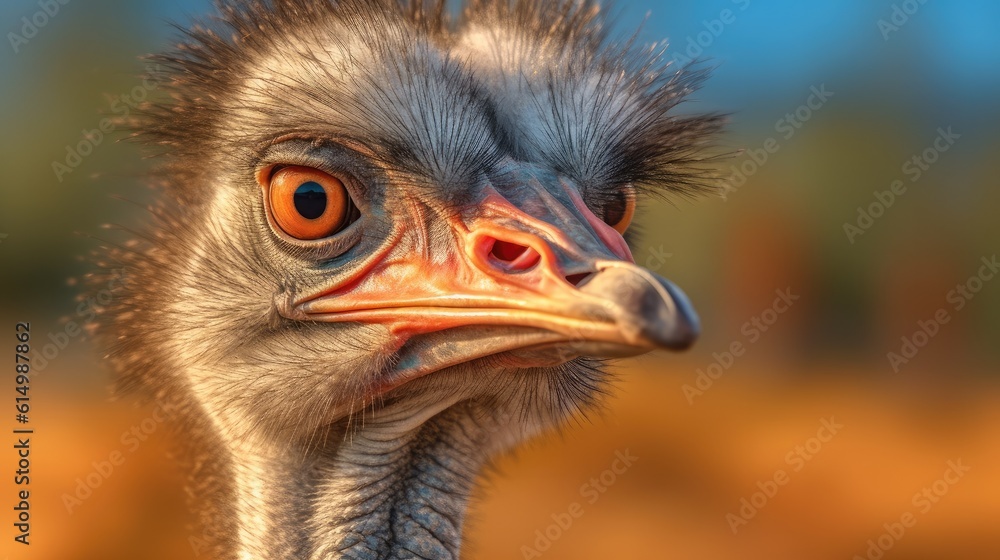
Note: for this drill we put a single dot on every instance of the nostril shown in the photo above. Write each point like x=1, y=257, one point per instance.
x=512, y=257
x=579, y=280
x=507, y=251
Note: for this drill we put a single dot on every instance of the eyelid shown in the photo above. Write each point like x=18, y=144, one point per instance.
x=330, y=155
x=266, y=173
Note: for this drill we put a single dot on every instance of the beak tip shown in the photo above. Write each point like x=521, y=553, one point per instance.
x=678, y=336
x=677, y=326
x=686, y=338
x=652, y=312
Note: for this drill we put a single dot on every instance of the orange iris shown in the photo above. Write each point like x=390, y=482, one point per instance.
x=307, y=203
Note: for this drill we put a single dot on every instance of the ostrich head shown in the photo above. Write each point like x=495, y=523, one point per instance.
x=390, y=245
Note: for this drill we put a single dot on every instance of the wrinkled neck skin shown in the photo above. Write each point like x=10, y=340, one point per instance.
x=395, y=488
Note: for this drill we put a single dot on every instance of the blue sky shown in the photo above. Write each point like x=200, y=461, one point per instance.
x=947, y=53
x=774, y=44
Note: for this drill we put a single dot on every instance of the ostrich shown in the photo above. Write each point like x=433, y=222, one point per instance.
x=389, y=245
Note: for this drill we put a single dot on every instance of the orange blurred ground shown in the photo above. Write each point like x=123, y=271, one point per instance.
x=694, y=464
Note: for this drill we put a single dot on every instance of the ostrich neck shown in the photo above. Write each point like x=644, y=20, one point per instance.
x=393, y=489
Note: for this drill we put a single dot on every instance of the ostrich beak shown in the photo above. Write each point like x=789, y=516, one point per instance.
x=532, y=289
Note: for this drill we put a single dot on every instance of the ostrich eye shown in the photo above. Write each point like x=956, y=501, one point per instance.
x=309, y=204
x=619, y=209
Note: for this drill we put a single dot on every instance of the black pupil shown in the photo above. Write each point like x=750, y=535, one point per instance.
x=310, y=200
x=614, y=210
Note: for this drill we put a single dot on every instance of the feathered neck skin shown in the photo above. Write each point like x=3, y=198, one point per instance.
x=390, y=481
x=392, y=490
x=396, y=487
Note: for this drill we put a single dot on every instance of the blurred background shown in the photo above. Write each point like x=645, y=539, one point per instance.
x=829, y=411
